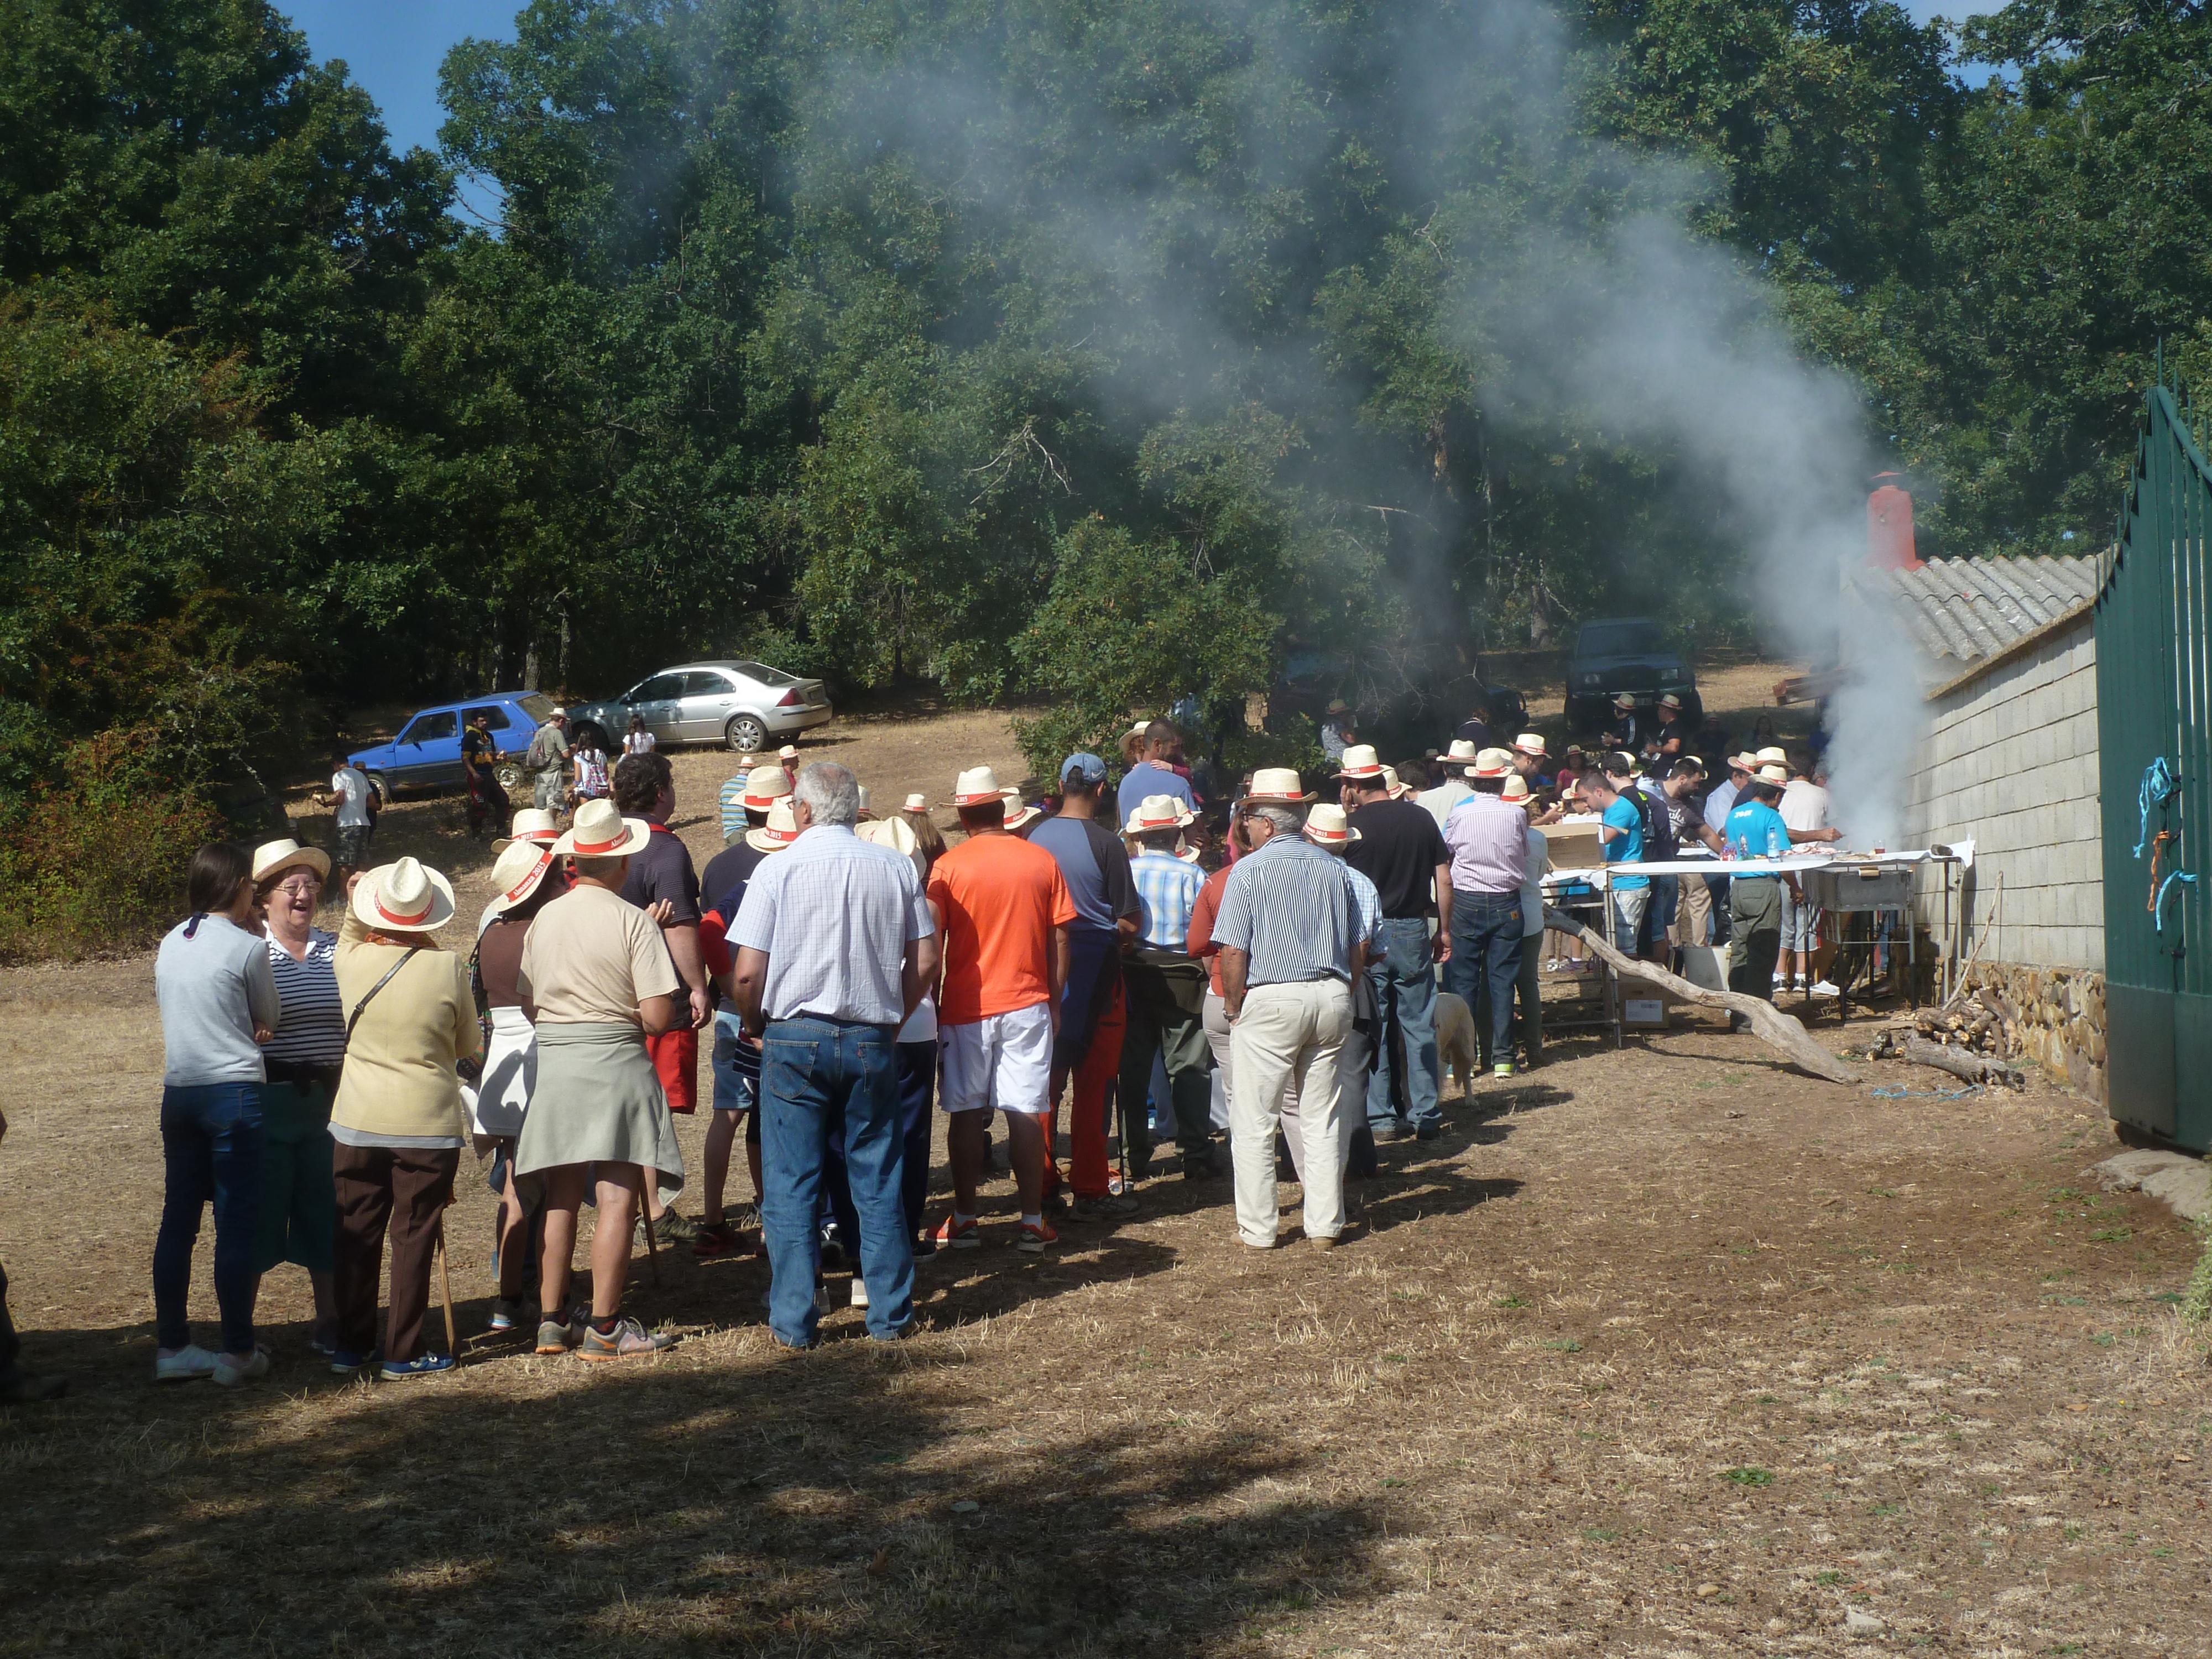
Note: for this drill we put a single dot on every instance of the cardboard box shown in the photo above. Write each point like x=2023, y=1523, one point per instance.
x=1574, y=844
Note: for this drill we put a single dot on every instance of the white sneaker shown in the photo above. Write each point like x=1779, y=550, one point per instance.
x=229, y=1373
x=860, y=1292
x=1826, y=988
x=183, y=1366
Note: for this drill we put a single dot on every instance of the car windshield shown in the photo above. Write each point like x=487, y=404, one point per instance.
x=1620, y=639
x=537, y=705
x=766, y=676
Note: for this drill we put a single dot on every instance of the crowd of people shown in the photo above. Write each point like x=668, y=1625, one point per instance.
x=1255, y=980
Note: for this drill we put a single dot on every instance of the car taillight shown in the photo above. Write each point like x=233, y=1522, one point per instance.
x=790, y=699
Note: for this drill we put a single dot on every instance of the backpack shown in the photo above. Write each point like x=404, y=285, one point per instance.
x=1659, y=846
x=538, y=757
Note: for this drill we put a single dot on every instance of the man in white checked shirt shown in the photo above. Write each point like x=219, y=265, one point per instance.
x=1166, y=992
x=835, y=946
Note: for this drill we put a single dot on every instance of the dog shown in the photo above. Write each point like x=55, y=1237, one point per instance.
x=1456, y=1048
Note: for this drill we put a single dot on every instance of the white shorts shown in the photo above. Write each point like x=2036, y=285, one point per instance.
x=1003, y=1060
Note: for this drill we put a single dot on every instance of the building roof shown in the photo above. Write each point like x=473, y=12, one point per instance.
x=1963, y=613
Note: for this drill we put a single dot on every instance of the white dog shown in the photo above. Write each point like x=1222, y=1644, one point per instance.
x=1456, y=1044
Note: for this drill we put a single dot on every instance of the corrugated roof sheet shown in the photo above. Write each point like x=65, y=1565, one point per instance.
x=1961, y=610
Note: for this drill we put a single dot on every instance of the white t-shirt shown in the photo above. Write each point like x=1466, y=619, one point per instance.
x=351, y=787
x=1804, y=805
x=637, y=743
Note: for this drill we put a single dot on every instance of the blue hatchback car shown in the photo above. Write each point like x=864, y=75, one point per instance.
x=426, y=753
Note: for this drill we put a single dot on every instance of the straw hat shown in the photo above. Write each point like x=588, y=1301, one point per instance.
x=272, y=856
x=1532, y=743
x=917, y=802
x=788, y=754
x=1773, y=757
x=1773, y=774
x=518, y=873
x=1186, y=852
x=1623, y=700
x=1336, y=706
x=600, y=832
x=780, y=831
x=1492, y=763
x=765, y=785
x=895, y=834
x=1277, y=785
x=1360, y=762
x=1398, y=790
x=406, y=897
x=1019, y=817
x=1463, y=748
x=1746, y=762
x=1326, y=826
x=530, y=823
x=1157, y=812
x=975, y=786
x=1516, y=788
x=1668, y=699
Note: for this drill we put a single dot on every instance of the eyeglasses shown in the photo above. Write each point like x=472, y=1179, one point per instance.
x=304, y=887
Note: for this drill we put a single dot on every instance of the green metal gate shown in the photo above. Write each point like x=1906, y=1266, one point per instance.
x=2154, y=705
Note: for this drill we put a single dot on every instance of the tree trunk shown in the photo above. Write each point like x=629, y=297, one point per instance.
x=1974, y=1068
x=1778, y=1030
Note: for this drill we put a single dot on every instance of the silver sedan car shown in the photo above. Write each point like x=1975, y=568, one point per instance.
x=746, y=704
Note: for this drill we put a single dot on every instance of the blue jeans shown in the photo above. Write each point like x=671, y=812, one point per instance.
x=819, y=1076
x=917, y=1094
x=1485, y=959
x=211, y=1148
x=1403, y=977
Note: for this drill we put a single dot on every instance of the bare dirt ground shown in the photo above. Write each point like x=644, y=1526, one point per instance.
x=1658, y=1352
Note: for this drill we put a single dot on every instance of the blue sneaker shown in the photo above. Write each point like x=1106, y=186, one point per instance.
x=423, y=1367
x=345, y=1362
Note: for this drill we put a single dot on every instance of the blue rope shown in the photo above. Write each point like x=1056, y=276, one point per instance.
x=2158, y=910
x=2158, y=788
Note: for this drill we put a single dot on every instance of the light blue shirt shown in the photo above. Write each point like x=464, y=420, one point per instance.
x=1627, y=847
x=1145, y=779
x=835, y=916
x=1718, y=805
x=1755, y=830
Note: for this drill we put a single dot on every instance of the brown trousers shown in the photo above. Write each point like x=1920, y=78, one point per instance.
x=405, y=1190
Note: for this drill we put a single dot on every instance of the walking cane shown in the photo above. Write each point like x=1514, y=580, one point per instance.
x=446, y=1289
x=1121, y=1134
x=645, y=1215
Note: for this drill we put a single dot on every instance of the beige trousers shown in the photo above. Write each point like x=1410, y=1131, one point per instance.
x=1693, y=915
x=1287, y=1033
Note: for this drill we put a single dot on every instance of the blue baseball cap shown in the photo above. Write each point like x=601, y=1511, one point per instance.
x=1083, y=769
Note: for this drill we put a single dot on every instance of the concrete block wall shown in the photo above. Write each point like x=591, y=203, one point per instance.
x=2010, y=760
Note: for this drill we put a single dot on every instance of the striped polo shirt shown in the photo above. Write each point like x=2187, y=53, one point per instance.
x=310, y=1030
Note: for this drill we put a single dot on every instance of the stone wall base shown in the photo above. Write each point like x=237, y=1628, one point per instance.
x=2054, y=1019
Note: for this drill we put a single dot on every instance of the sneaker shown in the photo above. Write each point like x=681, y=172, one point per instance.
x=674, y=1227
x=557, y=1335
x=1429, y=1131
x=924, y=1248
x=860, y=1291
x=321, y=1347
x=1105, y=1207
x=716, y=1239
x=1552, y=966
x=952, y=1233
x=1826, y=988
x=1034, y=1236
x=506, y=1313
x=1502, y=1069
x=1324, y=1241
x=1396, y=1129
x=628, y=1340
x=188, y=1362
x=229, y=1373
x=345, y=1362
x=427, y=1364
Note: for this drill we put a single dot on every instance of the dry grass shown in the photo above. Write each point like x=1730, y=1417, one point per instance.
x=1666, y=1351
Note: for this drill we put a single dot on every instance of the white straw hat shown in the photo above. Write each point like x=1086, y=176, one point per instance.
x=1773, y=757
x=778, y=833
x=917, y=802
x=518, y=873
x=765, y=785
x=600, y=832
x=1361, y=762
x=1398, y=787
x=895, y=834
x=1492, y=764
x=1326, y=826
x=1516, y=788
x=1157, y=812
x=1746, y=762
x=1532, y=743
x=272, y=856
x=975, y=786
x=532, y=823
x=1019, y=817
x=1277, y=785
x=406, y=897
x=1773, y=774
x=1463, y=748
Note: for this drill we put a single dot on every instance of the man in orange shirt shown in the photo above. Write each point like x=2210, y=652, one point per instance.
x=1006, y=911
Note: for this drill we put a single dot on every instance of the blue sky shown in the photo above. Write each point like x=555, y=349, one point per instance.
x=394, y=48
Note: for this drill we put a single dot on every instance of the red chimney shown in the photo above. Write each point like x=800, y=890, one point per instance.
x=1889, y=526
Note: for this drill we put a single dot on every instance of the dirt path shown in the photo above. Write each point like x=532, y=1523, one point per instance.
x=1658, y=1352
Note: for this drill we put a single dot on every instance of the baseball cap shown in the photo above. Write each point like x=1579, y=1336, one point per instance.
x=1084, y=768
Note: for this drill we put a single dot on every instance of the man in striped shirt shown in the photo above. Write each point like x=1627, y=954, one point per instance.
x=1166, y=990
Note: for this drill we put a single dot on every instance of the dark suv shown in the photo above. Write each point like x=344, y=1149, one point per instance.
x=1615, y=655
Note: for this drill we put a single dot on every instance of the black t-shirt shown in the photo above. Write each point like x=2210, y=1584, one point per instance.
x=663, y=870
x=478, y=748
x=722, y=889
x=1473, y=731
x=1398, y=850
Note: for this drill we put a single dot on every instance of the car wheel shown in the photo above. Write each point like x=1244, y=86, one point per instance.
x=1693, y=710
x=382, y=785
x=509, y=773
x=745, y=734
x=599, y=733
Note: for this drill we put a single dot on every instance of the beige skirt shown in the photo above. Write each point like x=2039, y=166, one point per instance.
x=595, y=1100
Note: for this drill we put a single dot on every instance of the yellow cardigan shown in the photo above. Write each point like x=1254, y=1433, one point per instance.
x=399, y=1077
